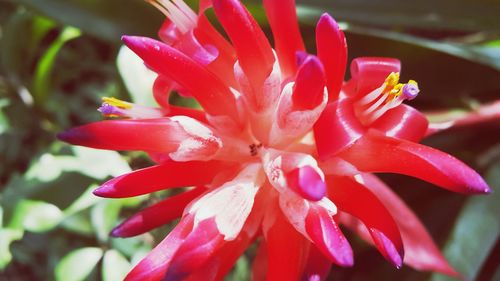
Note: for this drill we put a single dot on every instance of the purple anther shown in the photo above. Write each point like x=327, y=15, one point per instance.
x=410, y=91
x=107, y=109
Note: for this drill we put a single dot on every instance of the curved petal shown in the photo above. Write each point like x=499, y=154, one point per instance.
x=213, y=95
x=326, y=235
x=375, y=152
x=355, y=199
x=282, y=17
x=282, y=266
x=403, y=122
x=155, y=264
x=369, y=73
x=317, y=267
x=332, y=51
x=336, y=129
x=164, y=135
x=248, y=39
x=420, y=250
x=259, y=265
x=156, y=215
x=167, y=175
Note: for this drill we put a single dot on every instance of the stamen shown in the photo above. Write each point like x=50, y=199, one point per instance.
x=113, y=107
x=389, y=95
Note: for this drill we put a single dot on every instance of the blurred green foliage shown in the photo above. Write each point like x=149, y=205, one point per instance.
x=59, y=57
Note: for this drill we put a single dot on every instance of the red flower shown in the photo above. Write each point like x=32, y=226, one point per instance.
x=281, y=154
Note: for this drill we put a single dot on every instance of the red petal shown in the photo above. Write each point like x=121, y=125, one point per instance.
x=420, y=250
x=353, y=198
x=317, y=267
x=282, y=17
x=161, y=90
x=254, y=52
x=309, y=87
x=163, y=135
x=259, y=265
x=370, y=73
x=403, y=122
x=286, y=257
x=211, y=93
x=156, y=263
x=336, y=129
x=156, y=215
x=378, y=153
x=332, y=51
x=164, y=176
x=196, y=249
x=326, y=235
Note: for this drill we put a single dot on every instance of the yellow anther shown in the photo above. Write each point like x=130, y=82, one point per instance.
x=413, y=82
x=392, y=80
x=116, y=102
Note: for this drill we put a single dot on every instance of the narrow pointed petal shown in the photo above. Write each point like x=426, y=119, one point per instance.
x=355, y=199
x=332, y=51
x=403, y=122
x=163, y=135
x=156, y=215
x=328, y=237
x=336, y=129
x=309, y=84
x=211, y=93
x=282, y=17
x=286, y=257
x=167, y=175
x=421, y=252
x=317, y=267
x=259, y=264
x=375, y=152
x=249, y=41
x=155, y=264
x=196, y=249
x=161, y=90
x=369, y=73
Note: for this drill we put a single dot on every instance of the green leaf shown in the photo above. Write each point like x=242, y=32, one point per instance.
x=7, y=236
x=475, y=232
x=78, y=264
x=43, y=72
x=114, y=266
x=137, y=77
x=466, y=15
x=79, y=223
x=36, y=216
x=108, y=20
x=104, y=217
x=86, y=200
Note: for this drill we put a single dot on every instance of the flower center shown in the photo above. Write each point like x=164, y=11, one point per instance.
x=389, y=95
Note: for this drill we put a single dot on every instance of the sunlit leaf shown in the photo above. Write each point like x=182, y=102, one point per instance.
x=78, y=264
x=85, y=200
x=114, y=266
x=35, y=216
x=45, y=66
x=137, y=77
x=104, y=217
x=7, y=236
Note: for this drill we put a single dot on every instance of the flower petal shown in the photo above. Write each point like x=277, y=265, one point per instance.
x=164, y=135
x=317, y=267
x=211, y=93
x=403, y=122
x=156, y=215
x=420, y=250
x=336, y=129
x=156, y=263
x=167, y=175
x=282, y=17
x=375, y=152
x=309, y=84
x=249, y=41
x=326, y=235
x=286, y=257
x=368, y=73
x=355, y=199
x=332, y=51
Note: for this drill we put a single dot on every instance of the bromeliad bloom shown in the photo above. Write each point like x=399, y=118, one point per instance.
x=282, y=152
